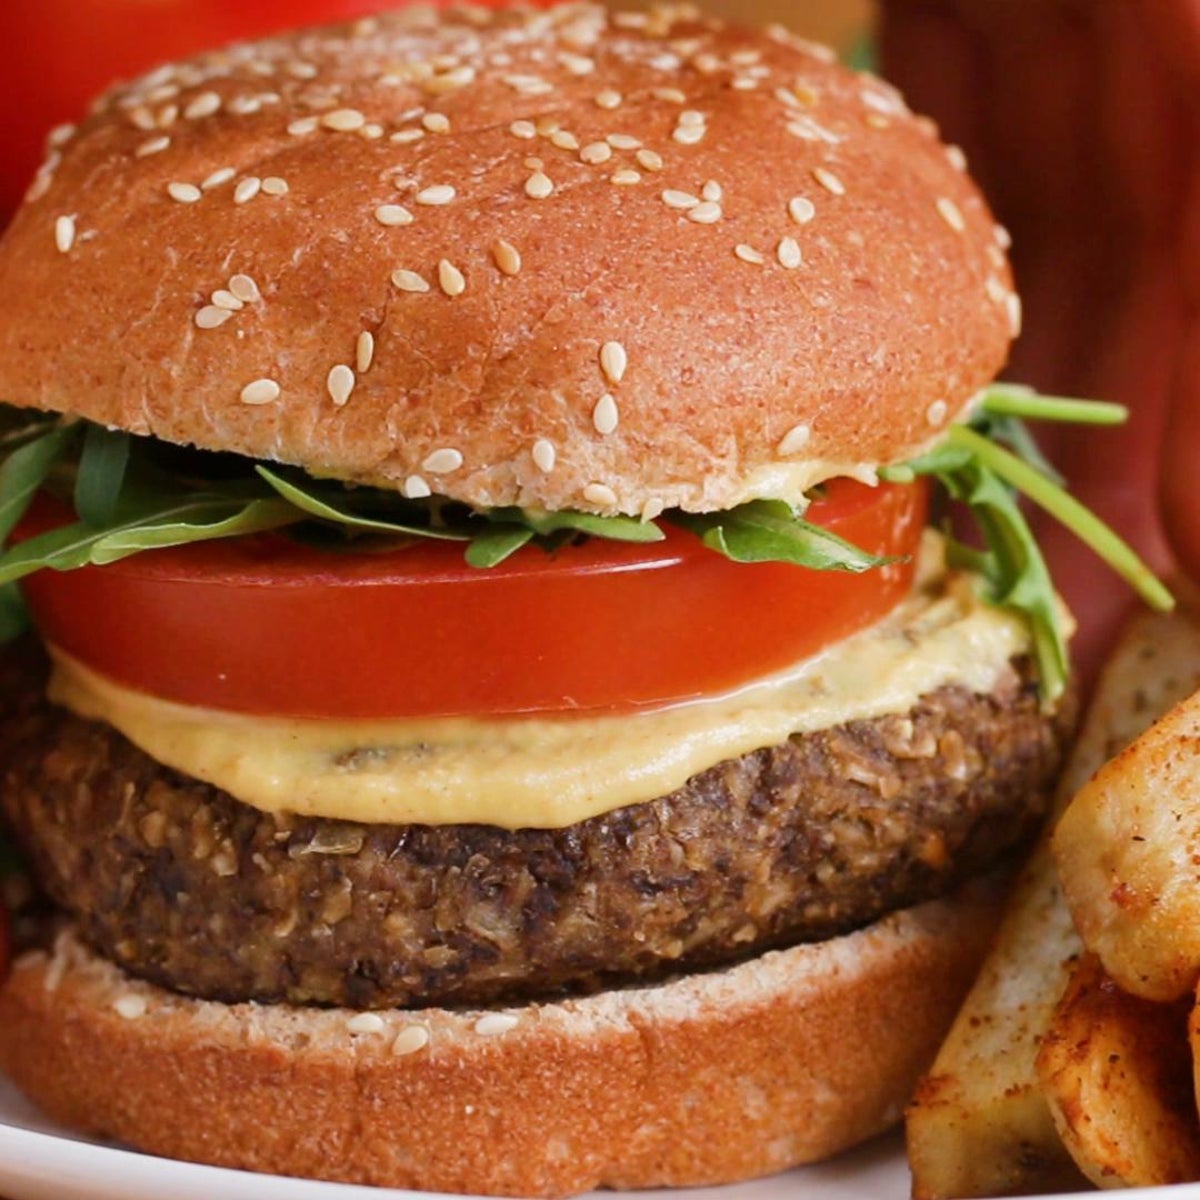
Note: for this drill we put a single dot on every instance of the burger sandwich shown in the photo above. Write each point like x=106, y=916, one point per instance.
x=498, y=720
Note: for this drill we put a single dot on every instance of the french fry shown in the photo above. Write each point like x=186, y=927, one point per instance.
x=1119, y=1084
x=979, y=1125
x=1128, y=852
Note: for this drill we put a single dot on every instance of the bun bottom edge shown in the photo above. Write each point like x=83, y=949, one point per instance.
x=711, y=1078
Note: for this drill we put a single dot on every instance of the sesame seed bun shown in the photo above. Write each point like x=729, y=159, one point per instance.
x=713, y=1078
x=554, y=259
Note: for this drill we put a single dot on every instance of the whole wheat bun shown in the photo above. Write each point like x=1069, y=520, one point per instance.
x=712, y=1078
x=832, y=293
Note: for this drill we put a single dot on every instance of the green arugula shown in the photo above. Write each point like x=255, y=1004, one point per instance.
x=132, y=494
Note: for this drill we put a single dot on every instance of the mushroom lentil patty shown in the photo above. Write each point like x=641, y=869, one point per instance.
x=181, y=884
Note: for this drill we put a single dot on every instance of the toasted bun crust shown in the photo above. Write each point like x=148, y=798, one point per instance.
x=710, y=1079
x=743, y=378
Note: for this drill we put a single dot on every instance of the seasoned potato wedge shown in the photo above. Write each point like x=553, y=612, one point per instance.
x=1128, y=852
x=1118, y=1079
x=980, y=1125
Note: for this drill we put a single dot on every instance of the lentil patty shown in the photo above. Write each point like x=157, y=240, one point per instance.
x=182, y=884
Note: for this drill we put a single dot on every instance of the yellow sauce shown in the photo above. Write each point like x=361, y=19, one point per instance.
x=549, y=773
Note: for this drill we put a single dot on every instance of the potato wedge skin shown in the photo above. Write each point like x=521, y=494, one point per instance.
x=1118, y=1080
x=980, y=1125
x=1128, y=851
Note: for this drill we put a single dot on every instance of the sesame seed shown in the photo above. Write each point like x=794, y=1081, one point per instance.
x=273, y=185
x=951, y=214
x=340, y=383
x=142, y=118
x=261, y=391
x=608, y=99
x=706, y=213
x=538, y=186
x=523, y=129
x=544, y=455
x=168, y=116
x=688, y=135
x=154, y=145
x=415, y=488
x=130, y=1007
x=600, y=494
x=442, y=462
x=247, y=189
x=829, y=181
x=244, y=106
x=956, y=157
x=404, y=136
x=789, y=253
x=605, y=415
x=1002, y=236
x=748, y=254
x=1013, y=306
x=410, y=281
x=64, y=233
x=596, y=152
x=712, y=191
x=506, y=257
x=303, y=125
x=625, y=177
x=547, y=125
x=935, y=414
x=344, y=120
x=60, y=135
x=652, y=509
x=411, y=1039
x=878, y=121
x=393, y=214
x=535, y=164
x=801, y=210
x=185, y=193
x=245, y=289
x=787, y=97
x=577, y=64
x=996, y=290
x=204, y=105
x=439, y=194
x=613, y=361
x=690, y=118
x=744, y=83
x=795, y=440
x=364, y=351
x=223, y=298
x=367, y=1022
x=651, y=160
x=452, y=280
x=675, y=199
x=436, y=122
x=669, y=95
x=495, y=1023
x=623, y=141
x=218, y=177
x=211, y=316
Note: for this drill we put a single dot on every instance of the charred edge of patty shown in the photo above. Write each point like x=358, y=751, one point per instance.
x=183, y=885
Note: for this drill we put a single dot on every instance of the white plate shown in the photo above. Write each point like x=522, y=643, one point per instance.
x=41, y=1162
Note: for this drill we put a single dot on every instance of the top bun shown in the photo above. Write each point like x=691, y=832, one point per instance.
x=559, y=258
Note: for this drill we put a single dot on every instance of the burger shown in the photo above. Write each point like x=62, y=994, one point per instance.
x=497, y=721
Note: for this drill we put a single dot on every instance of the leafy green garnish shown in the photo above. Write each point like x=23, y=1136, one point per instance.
x=989, y=480
x=769, y=531
x=133, y=494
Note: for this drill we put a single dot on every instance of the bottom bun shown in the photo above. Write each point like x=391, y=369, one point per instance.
x=706, y=1079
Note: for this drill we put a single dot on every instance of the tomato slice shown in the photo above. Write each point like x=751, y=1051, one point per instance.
x=263, y=625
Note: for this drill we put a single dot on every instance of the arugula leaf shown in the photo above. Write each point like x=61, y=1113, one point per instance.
x=100, y=474
x=26, y=469
x=617, y=529
x=308, y=502
x=191, y=518
x=490, y=549
x=1016, y=400
x=769, y=531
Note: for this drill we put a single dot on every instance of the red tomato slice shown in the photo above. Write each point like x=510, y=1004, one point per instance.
x=263, y=625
